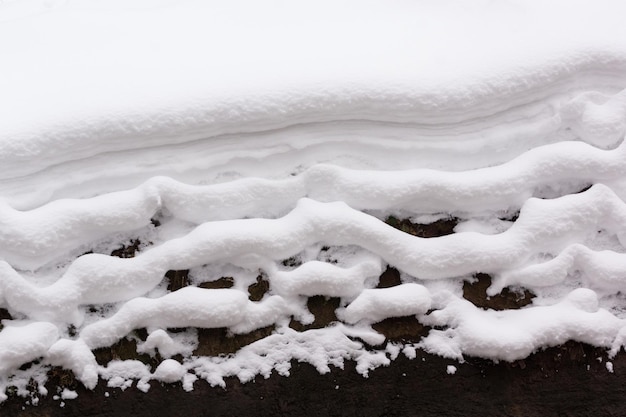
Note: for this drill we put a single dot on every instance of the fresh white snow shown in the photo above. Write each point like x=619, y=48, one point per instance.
x=255, y=132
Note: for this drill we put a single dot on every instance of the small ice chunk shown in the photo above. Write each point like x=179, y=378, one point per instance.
x=451, y=369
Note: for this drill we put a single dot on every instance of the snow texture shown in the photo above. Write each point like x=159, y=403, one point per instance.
x=244, y=142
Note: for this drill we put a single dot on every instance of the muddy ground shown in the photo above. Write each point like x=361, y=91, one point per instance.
x=569, y=380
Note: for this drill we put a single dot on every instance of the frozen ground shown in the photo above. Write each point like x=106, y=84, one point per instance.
x=270, y=140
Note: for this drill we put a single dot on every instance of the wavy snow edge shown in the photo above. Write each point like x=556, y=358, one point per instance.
x=515, y=108
x=543, y=225
x=470, y=331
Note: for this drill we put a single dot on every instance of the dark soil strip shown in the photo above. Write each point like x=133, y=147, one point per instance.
x=323, y=308
x=508, y=299
x=127, y=251
x=215, y=342
x=257, y=290
x=438, y=228
x=177, y=279
x=564, y=381
x=389, y=278
x=224, y=282
x=4, y=315
x=402, y=329
x=125, y=349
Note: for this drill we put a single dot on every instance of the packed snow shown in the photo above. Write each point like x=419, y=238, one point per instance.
x=230, y=137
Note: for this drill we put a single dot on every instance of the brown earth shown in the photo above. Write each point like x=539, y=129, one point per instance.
x=565, y=381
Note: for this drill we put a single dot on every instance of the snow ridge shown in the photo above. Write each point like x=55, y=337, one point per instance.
x=32, y=238
x=544, y=226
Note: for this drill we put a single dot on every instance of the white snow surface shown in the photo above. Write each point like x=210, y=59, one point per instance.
x=270, y=139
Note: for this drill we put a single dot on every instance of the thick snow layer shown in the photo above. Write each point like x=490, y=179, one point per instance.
x=225, y=90
x=247, y=140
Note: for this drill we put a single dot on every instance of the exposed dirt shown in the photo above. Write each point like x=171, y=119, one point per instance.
x=563, y=381
x=402, y=329
x=441, y=227
x=508, y=299
x=214, y=342
x=126, y=349
x=257, y=290
x=323, y=308
x=127, y=251
x=389, y=278
x=222, y=283
x=177, y=279
x=4, y=315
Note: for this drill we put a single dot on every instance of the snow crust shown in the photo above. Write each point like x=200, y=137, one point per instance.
x=245, y=142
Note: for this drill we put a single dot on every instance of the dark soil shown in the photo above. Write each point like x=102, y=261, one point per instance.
x=508, y=299
x=563, y=381
x=4, y=315
x=224, y=282
x=127, y=251
x=257, y=290
x=177, y=279
x=323, y=308
x=440, y=227
x=214, y=342
x=389, y=278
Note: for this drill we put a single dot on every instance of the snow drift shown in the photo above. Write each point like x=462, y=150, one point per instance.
x=229, y=137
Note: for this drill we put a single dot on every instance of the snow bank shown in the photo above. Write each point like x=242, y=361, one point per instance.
x=245, y=143
x=429, y=87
